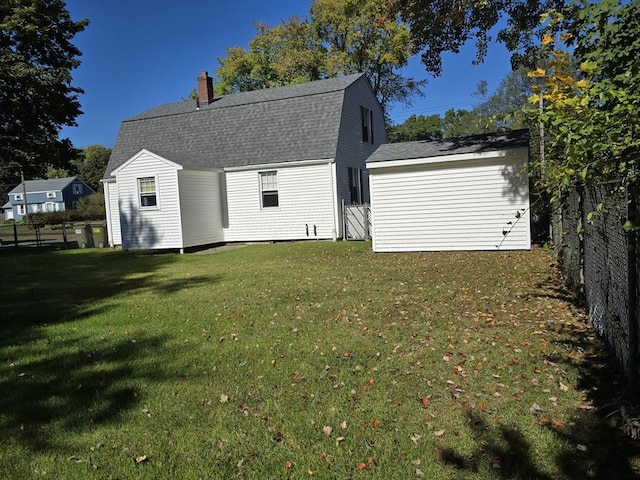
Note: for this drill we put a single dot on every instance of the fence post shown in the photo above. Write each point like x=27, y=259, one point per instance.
x=64, y=235
x=632, y=285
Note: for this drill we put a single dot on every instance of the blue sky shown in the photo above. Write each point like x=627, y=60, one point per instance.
x=141, y=53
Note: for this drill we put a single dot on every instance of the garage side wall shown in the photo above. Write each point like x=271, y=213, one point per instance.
x=460, y=205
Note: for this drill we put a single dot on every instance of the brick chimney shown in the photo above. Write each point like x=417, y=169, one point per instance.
x=205, y=89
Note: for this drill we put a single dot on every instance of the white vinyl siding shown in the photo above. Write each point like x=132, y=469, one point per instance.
x=305, y=199
x=200, y=203
x=113, y=214
x=149, y=228
x=462, y=205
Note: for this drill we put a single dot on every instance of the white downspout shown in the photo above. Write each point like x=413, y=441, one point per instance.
x=334, y=200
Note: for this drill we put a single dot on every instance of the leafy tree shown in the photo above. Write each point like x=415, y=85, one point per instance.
x=37, y=97
x=91, y=207
x=363, y=36
x=461, y=123
x=341, y=37
x=590, y=118
x=504, y=106
x=439, y=26
x=95, y=160
x=283, y=55
x=417, y=127
x=57, y=172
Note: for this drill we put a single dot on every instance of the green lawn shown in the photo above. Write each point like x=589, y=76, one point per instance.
x=306, y=360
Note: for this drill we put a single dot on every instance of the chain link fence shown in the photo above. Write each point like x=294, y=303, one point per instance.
x=597, y=256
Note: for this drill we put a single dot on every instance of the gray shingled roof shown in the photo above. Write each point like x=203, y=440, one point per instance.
x=50, y=185
x=450, y=146
x=298, y=122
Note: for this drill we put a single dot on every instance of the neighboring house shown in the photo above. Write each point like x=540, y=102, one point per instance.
x=268, y=165
x=7, y=211
x=53, y=195
x=469, y=193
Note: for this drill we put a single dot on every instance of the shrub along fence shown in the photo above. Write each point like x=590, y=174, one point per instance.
x=597, y=253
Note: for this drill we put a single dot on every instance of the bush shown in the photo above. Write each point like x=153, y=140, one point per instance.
x=89, y=208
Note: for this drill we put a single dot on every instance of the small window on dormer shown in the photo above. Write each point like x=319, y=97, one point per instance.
x=367, y=124
x=51, y=194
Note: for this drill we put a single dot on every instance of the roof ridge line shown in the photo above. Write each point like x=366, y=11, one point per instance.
x=237, y=104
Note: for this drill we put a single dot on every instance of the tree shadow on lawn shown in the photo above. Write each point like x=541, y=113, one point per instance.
x=594, y=445
x=72, y=383
x=46, y=288
x=75, y=392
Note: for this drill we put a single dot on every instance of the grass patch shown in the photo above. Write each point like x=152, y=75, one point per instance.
x=295, y=360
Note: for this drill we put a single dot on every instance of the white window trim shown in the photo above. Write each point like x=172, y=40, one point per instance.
x=51, y=194
x=155, y=181
x=18, y=196
x=277, y=190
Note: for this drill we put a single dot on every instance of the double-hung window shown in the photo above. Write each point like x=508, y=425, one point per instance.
x=367, y=124
x=77, y=189
x=355, y=185
x=148, y=193
x=269, y=189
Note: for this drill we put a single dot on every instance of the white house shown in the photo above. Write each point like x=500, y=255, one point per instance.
x=469, y=193
x=273, y=164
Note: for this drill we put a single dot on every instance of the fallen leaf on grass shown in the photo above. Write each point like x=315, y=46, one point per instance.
x=439, y=433
x=224, y=398
x=141, y=459
x=535, y=408
x=327, y=430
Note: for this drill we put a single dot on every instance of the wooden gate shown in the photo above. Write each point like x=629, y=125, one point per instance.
x=357, y=222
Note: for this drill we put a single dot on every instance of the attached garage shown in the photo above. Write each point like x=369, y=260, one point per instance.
x=469, y=193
